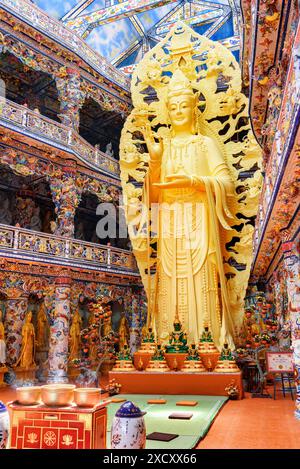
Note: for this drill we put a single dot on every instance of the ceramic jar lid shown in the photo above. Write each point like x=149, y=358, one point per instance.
x=129, y=410
x=2, y=407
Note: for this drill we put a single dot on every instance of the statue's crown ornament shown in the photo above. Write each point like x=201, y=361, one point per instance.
x=179, y=85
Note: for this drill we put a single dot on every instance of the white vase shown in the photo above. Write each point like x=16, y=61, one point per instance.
x=128, y=429
x=4, y=426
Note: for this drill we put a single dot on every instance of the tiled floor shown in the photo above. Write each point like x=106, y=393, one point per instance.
x=252, y=423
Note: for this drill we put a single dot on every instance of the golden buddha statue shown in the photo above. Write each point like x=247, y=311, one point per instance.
x=42, y=327
x=75, y=336
x=184, y=214
x=123, y=332
x=107, y=325
x=26, y=359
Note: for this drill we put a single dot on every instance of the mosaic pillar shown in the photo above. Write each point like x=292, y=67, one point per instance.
x=292, y=267
x=66, y=196
x=59, y=333
x=137, y=317
x=71, y=98
x=16, y=309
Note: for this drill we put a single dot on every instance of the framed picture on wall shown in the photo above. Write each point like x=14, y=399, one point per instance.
x=280, y=362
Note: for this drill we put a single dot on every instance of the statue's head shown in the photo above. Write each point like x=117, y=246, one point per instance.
x=29, y=316
x=177, y=323
x=181, y=102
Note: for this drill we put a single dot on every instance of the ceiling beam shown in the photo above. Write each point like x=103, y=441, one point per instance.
x=84, y=24
x=77, y=9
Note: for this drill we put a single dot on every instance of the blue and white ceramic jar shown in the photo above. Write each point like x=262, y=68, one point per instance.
x=4, y=426
x=128, y=429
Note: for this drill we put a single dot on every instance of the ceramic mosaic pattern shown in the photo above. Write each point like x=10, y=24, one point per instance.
x=59, y=333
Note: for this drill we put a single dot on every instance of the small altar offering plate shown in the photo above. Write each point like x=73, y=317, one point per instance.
x=58, y=395
x=28, y=395
x=87, y=397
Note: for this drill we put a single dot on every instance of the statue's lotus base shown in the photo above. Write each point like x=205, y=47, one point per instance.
x=193, y=366
x=157, y=365
x=123, y=365
x=226, y=366
x=148, y=347
x=25, y=373
x=207, y=347
x=176, y=382
x=3, y=370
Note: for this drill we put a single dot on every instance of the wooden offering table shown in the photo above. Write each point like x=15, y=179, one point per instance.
x=43, y=427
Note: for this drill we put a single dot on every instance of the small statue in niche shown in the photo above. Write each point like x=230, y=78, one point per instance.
x=26, y=359
x=79, y=232
x=42, y=327
x=123, y=333
x=75, y=336
x=5, y=213
x=109, y=150
x=36, y=222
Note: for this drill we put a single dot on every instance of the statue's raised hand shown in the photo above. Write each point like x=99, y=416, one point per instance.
x=155, y=149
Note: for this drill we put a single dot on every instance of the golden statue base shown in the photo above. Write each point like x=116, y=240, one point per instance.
x=193, y=366
x=157, y=365
x=226, y=366
x=148, y=347
x=123, y=365
x=23, y=373
x=3, y=369
x=207, y=347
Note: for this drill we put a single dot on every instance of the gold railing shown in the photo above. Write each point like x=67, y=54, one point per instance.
x=39, y=125
x=26, y=244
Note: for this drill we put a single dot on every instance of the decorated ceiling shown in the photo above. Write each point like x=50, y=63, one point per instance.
x=123, y=31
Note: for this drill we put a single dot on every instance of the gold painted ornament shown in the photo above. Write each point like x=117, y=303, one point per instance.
x=185, y=154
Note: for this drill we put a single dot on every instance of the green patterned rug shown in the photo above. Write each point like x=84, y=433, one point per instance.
x=190, y=431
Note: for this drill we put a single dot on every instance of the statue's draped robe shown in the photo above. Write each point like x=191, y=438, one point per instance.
x=190, y=260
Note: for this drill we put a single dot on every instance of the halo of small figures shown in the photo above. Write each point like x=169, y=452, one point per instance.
x=177, y=355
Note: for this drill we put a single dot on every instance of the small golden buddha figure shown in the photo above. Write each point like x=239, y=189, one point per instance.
x=123, y=332
x=75, y=336
x=42, y=328
x=226, y=362
x=107, y=327
x=26, y=359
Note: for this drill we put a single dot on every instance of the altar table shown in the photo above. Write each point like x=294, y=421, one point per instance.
x=43, y=427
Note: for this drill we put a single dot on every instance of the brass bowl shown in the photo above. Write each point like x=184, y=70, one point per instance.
x=29, y=395
x=87, y=397
x=58, y=394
